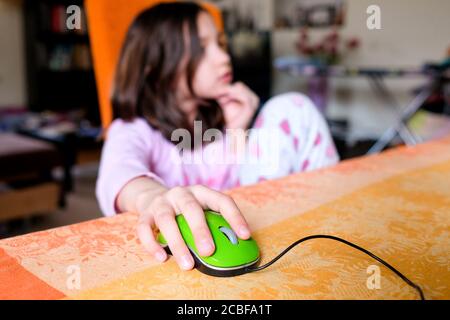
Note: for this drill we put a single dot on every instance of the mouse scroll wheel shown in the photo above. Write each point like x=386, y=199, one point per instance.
x=229, y=234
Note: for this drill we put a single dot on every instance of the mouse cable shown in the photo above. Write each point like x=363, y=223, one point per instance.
x=398, y=273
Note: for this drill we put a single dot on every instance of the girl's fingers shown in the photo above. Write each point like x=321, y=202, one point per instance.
x=243, y=94
x=187, y=204
x=147, y=238
x=224, y=92
x=224, y=100
x=225, y=205
x=169, y=228
x=251, y=98
x=191, y=202
x=237, y=92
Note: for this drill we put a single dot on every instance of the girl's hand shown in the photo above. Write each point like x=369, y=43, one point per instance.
x=159, y=213
x=239, y=105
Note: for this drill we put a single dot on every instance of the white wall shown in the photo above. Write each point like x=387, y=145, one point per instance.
x=12, y=55
x=413, y=31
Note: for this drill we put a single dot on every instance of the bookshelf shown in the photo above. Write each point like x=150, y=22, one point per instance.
x=60, y=77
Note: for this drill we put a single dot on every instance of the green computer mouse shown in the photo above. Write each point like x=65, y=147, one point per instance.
x=232, y=256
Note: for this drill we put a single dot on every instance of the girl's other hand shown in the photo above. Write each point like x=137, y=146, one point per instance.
x=239, y=104
x=158, y=213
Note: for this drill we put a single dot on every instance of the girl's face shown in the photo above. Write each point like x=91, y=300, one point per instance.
x=213, y=72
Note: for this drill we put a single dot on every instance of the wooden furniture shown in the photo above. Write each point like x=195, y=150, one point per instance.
x=25, y=173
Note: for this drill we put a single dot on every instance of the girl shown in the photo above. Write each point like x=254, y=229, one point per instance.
x=173, y=80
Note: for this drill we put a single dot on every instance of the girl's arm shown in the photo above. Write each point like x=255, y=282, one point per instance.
x=126, y=155
x=126, y=184
x=143, y=188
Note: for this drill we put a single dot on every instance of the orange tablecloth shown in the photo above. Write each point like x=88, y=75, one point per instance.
x=396, y=204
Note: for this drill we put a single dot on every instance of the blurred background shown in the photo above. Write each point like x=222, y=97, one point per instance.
x=377, y=87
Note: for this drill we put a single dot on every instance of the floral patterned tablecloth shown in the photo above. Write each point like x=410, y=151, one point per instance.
x=396, y=204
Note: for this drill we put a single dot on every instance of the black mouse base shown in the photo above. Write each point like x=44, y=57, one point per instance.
x=223, y=273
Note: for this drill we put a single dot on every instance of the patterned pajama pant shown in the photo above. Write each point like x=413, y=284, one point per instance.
x=289, y=135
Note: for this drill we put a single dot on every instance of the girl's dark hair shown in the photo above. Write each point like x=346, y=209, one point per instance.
x=149, y=66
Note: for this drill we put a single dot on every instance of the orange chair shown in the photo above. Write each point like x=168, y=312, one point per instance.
x=108, y=22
